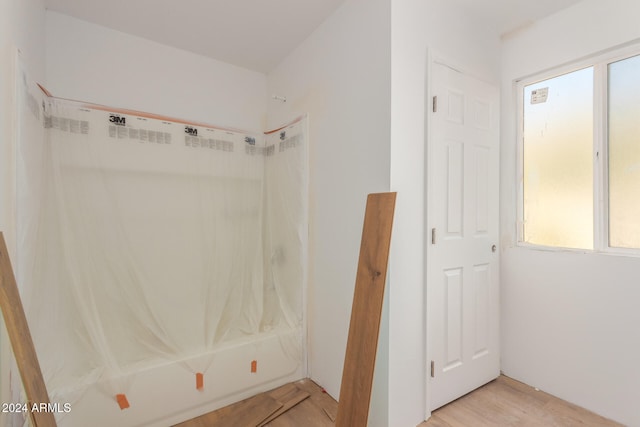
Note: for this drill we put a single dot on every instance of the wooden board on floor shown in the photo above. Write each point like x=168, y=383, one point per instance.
x=309, y=412
x=359, y=363
x=248, y=413
x=21, y=341
x=288, y=401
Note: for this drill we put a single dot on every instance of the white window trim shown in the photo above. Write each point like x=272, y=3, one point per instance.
x=599, y=62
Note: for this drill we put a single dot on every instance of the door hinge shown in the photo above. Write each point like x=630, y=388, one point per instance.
x=433, y=236
x=433, y=369
x=435, y=104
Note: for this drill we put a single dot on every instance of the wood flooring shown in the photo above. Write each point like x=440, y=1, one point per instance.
x=507, y=402
x=502, y=402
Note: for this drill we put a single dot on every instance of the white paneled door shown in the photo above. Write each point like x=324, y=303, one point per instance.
x=462, y=254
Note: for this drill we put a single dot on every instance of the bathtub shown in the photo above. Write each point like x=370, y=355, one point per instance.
x=166, y=394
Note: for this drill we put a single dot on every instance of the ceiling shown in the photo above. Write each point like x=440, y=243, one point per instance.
x=254, y=34
x=258, y=34
x=509, y=15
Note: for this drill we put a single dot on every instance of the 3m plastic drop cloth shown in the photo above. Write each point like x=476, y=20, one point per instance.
x=144, y=241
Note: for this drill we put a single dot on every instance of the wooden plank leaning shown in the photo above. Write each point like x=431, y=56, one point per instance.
x=21, y=342
x=366, y=311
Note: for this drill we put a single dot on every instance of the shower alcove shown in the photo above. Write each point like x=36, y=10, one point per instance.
x=162, y=263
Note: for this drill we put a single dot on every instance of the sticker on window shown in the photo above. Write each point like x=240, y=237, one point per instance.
x=538, y=96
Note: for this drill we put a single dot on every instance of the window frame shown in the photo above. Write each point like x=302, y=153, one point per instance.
x=600, y=155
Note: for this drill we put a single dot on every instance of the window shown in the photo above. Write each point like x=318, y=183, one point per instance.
x=580, y=157
x=624, y=153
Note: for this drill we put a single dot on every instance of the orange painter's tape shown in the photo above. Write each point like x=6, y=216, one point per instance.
x=199, y=380
x=254, y=366
x=122, y=401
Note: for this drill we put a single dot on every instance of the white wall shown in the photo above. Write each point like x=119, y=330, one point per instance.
x=445, y=29
x=569, y=320
x=21, y=27
x=341, y=76
x=91, y=63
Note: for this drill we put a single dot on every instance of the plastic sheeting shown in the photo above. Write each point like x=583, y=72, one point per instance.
x=146, y=241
